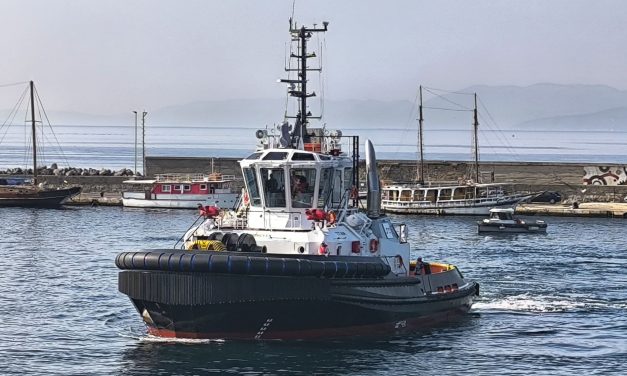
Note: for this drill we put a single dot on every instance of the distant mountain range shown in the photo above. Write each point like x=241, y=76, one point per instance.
x=540, y=106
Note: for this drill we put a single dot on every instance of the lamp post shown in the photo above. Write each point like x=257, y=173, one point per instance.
x=144, y=142
x=135, y=112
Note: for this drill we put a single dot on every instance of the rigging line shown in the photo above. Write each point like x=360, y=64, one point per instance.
x=501, y=138
x=50, y=126
x=13, y=114
x=499, y=131
x=15, y=108
x=446, y=109
x=28, y=137
x=41, y=145
x=404, y=130
x=491, y=125
x=448, y=100
x=448, y=91
x=27, y=153
x=14, y=84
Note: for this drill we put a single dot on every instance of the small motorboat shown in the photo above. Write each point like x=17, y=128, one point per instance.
x=503, y=221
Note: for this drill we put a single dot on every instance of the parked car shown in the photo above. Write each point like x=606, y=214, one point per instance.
x=547, y=196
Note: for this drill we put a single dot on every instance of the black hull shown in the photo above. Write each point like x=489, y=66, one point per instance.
x=185, y=304
x=535, y=228
x=39, y=199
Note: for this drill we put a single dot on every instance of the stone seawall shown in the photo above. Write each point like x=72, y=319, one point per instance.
x=566, y=178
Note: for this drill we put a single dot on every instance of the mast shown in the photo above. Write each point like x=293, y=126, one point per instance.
x=144, y=142
x=34, y=131
x=421, y=172
x=299, y=85
x=476, y=128
x=135, y=172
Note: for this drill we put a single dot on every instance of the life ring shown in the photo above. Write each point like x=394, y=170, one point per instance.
x=207, y=245
x=374, y=245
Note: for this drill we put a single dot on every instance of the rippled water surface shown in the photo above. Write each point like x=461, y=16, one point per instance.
x=553, y=304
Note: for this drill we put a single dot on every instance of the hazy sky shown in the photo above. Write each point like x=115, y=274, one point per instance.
x=108, y=57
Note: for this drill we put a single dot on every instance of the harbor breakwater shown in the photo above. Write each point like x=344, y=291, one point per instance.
x=566, y=178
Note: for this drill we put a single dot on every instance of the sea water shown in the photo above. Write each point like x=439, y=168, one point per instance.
x=550, y=304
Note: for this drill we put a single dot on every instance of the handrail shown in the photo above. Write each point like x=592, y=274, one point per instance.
x=189, y=228
x=200, y=178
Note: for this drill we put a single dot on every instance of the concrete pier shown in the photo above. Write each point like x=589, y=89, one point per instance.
x=586, y=209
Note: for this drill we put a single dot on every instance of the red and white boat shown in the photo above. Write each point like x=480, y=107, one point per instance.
x=181, y=191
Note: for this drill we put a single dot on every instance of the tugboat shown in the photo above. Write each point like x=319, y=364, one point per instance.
x=503, y=221
x=298, y=260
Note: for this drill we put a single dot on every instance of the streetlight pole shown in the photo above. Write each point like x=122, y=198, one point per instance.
x=144, y=142
x=135, y=112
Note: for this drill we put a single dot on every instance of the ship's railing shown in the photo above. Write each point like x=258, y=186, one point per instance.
x=321, y=141
x=182, y=239
x=447, y=203
x=214, y=177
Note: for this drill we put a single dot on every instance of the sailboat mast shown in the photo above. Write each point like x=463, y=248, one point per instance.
x=476, y=128
x=421, y=173
x=34, y=131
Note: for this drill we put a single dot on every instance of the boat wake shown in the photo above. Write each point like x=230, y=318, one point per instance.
x=527, y=303
x=147, y=338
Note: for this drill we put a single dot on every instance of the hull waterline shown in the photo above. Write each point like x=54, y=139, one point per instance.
x=47, y=199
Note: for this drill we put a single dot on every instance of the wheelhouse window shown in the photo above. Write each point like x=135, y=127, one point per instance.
x=275, y=156
x=203, y=187
x=254, y=156
x=302, y=185
x=325, y=187
x=177, y=188
x=303, y=157
x=187, y=187
x=253, y=187
x=338, y=192
x=348, y=179
x=166, y=188
x=273, y=182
